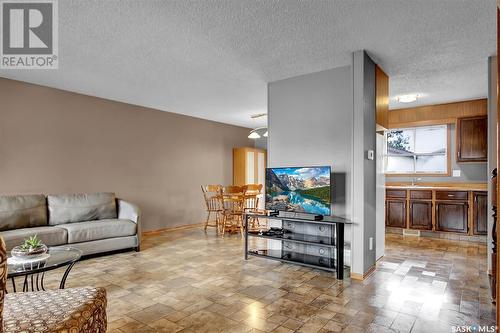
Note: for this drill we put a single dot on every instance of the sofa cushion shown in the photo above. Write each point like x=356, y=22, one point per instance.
x=50, y=236
x=68, y=208
x=99, y=229
x=22, y=211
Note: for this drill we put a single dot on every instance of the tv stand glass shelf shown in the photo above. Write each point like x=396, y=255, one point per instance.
x=300, y=240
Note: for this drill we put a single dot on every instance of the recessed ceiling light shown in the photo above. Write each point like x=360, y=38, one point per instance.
x=407, y=98
x=266, y=134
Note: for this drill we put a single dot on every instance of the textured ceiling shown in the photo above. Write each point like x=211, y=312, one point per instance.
x=212, y=59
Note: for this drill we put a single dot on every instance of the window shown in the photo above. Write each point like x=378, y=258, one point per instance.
x=419, y=150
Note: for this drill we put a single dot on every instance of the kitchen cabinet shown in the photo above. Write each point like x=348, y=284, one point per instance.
x=420, y=210
x=395, y=208
x=420, y=215
x=480, y=213
x=457, y=209
x=452, y=216
x=395, y=213
x=472, y=139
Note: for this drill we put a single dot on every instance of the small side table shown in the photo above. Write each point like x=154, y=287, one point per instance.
x=34, y=271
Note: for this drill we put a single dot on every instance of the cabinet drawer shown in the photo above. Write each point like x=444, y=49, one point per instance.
x=421, y=194
x=452, y=195
x=395, y=194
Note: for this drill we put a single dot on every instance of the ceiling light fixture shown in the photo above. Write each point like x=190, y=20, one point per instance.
x=254, y=134
x=266, y=134
x=407, y=98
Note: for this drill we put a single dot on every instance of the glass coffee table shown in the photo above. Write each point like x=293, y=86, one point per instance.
x=33, y=271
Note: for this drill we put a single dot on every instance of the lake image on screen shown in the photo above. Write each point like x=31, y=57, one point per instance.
x=301, y=190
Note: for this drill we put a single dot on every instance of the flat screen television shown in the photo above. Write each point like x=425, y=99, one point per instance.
x=300, y=190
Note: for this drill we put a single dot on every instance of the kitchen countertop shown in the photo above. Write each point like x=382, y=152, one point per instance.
x=439, y=186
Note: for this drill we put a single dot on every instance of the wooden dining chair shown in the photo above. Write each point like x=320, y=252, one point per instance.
x=252, y=197
x=232, y=201
x=212, y=194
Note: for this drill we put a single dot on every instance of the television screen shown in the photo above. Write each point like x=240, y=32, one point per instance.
x=300, y=190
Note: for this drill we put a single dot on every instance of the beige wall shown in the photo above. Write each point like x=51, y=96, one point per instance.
x=54, y=141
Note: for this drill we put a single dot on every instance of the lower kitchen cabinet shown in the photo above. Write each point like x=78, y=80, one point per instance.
x=452, y=216
x=395, y=213
x=480, y=213
x=420, y=215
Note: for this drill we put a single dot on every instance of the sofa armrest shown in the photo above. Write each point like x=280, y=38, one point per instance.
x=129, y=211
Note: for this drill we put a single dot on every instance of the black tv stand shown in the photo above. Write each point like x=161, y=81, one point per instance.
x=312, y=243
x=273, y=213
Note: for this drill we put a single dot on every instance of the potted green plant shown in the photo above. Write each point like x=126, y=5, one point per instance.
x=31, y=248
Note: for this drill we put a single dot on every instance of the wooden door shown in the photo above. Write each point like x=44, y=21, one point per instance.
x=480, y=213
x=420, y=215
x=395, y=213
x=452, y=216
x=472, y=139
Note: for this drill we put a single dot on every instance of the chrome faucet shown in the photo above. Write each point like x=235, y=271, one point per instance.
x=414, y=180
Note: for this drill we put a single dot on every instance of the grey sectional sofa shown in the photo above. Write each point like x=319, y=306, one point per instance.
x=91, y=222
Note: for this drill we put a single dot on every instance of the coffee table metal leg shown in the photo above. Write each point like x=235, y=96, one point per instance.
x=41, y=282
x=25, y=284
x=13, y=284
x=63, y=281
x=37, y=282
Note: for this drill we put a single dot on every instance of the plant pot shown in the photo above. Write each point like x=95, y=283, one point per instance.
x=19, y=252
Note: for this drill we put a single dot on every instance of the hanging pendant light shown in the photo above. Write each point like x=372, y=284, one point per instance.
x=254, y=134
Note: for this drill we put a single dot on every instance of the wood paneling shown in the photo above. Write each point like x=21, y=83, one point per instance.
x=436, y=114
x=381, y=99
x=472, y=139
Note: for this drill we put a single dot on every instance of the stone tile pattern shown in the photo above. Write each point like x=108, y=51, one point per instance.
x=191, y=281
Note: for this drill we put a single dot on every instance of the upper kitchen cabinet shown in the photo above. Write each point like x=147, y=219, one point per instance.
x=472, y=139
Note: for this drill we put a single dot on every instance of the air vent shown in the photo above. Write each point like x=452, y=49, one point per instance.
x=409, y=232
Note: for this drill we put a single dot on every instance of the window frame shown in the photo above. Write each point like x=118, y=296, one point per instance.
x=420, y=174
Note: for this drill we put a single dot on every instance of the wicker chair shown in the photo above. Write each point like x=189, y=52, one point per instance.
x=64, y=310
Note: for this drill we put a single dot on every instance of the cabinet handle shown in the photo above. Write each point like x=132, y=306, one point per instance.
x=451, y=195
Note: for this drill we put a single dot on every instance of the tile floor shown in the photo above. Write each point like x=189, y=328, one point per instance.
x=189, y=281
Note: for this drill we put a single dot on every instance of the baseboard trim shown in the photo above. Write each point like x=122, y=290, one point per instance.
x=361, y=277
x=169, y=229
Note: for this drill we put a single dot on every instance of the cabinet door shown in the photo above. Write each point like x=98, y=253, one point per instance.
x=480, y=213
x=451, y=216
x=472, y=139
x=421, y=215
x=395, y=211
